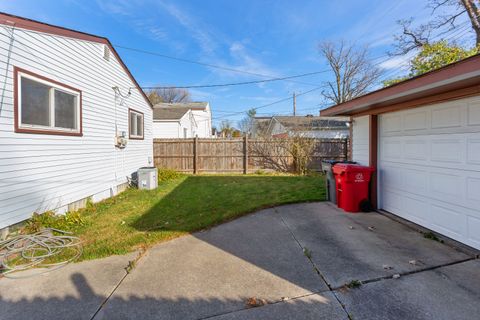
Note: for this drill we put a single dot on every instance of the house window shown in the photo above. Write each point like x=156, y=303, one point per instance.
x=46, y=106
x=135, y=120
x=185, y=132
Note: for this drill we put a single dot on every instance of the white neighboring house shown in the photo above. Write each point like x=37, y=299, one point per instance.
x=182, y=120
x=173, y=123
x=69, y=128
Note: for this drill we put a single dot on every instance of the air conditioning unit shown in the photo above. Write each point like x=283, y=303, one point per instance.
x=147, y=178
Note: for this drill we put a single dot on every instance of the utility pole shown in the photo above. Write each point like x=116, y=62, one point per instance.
x=294, y=105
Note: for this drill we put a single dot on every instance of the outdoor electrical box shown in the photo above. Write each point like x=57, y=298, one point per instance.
x=147, y=178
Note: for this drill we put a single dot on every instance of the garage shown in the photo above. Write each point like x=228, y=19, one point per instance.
x=429, y=167
x=423, y=137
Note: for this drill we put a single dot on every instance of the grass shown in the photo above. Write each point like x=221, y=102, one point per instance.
x=354, y=284
x=182, y=204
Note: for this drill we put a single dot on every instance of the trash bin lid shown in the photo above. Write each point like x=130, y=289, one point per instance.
x=348, y=167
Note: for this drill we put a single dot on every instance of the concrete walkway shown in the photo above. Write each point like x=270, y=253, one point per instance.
x=293, y=260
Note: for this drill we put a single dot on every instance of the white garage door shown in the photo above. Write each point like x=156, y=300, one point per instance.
x=429, y=167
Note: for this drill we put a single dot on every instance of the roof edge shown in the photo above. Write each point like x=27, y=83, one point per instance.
x=464, y=66
x=34, y=25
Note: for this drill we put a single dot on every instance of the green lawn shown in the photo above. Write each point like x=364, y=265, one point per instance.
x=184, y=204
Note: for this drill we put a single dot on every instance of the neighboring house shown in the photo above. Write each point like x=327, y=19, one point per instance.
x=305, y=126
x=69, y=128
x=193, y=119
x=173, y=122
x=260, y=126
x=423, y=136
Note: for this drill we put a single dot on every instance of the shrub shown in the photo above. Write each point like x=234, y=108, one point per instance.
x=49, y=219
x=165, y=175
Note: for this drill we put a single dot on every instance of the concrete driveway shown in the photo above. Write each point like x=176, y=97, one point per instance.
x=292, y=262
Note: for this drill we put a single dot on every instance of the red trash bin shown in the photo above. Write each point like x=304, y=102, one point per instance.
x=352, y=185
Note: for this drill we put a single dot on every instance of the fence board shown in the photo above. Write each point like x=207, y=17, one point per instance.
x=240, y=155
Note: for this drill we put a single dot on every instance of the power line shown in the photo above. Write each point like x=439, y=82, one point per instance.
x=235, y=83
x=153, y=53
x=271, y=103
x=457, y=32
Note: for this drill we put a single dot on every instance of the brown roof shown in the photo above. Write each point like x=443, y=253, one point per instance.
x=163, y=113
x=190, y=105
x=462, y=77
x=312, y=123
x=25, y=23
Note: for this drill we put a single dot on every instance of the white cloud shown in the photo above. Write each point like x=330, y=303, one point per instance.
x=243, y=60
x=150, y=28
x=200, y=34
x=118, y=7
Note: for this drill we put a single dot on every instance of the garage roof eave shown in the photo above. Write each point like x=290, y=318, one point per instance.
x=453, y=76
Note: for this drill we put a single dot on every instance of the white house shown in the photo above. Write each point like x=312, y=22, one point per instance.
x=74, y=123
x=182, y=120
x=173, y=122
x=423, y=137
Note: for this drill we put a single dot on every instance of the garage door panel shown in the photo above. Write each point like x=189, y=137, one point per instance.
x=448, y=150
x=473, y=113
x=410, y=206
x=391, y=123
x=415, y=149
x=447, y=187
x=429, y=167
x=415, y=181
x=473, y=227
x=473, y=151
x=414, y=121
x=392, y=178
x=473, y=191
x=446, y=117
x=449, y=221
x=392, y=149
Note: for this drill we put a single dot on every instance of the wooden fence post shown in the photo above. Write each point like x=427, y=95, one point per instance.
x=245, y=155
x=195, y=155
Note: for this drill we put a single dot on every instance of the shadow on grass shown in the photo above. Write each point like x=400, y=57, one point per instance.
x=203, y=201
x=255, y=256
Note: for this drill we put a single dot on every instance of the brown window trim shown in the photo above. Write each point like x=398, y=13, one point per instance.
x=143, y=125
x=19, y=129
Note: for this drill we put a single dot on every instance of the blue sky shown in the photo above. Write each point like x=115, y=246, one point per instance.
x=275, y=38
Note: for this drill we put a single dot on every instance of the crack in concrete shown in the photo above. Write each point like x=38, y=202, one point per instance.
x=314, y=266
x=407, y=273
x=334, y=290
x=267, y=304
x=128, y=270
x=331, y=289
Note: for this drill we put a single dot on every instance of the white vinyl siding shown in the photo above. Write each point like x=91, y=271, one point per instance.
x=360, y=140
x=203, y=119
x=165, y=129
x=174, y=129
x=48, y=172
x=429, y=167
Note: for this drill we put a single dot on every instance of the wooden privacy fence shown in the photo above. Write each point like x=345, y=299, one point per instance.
x=241, y=155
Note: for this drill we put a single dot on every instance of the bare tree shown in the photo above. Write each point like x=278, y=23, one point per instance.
x=168, y=95
x=412, y=38
x=246, y=124
x=354, y=73
x=226, y=129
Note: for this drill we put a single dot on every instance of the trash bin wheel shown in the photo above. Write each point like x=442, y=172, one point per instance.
x=365, y=205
